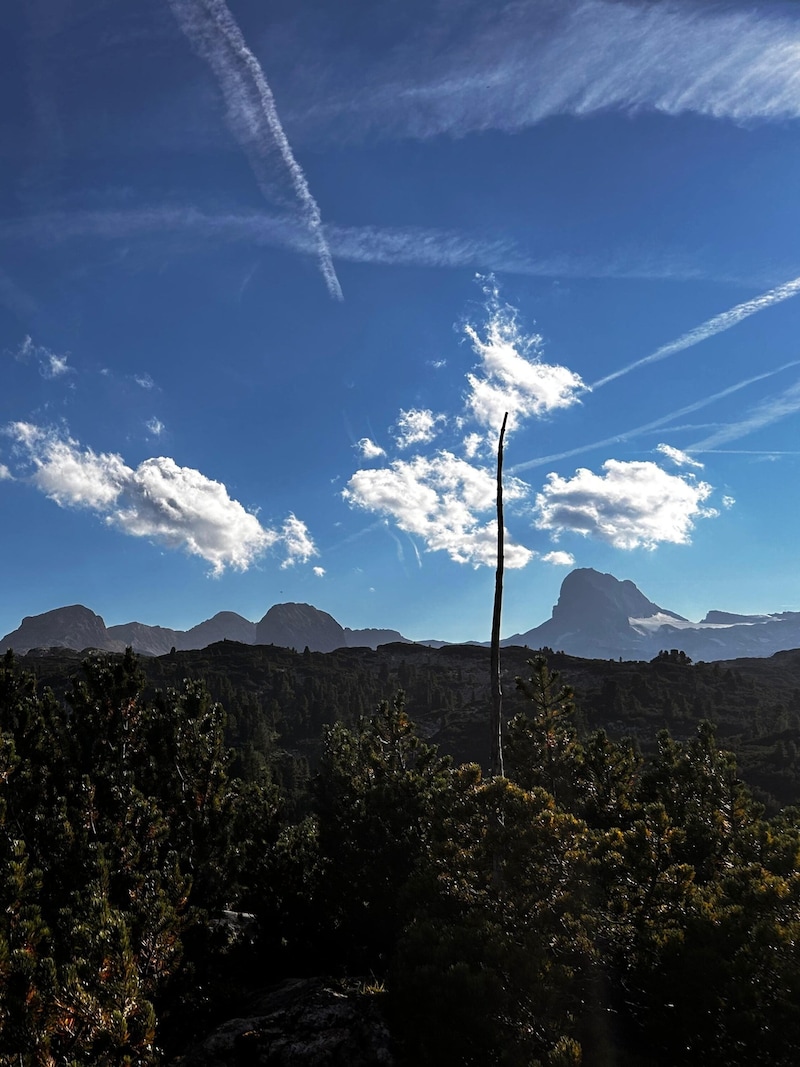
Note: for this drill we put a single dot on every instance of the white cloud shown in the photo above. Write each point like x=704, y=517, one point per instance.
x=368, y=449
x=559, y=559
x=5, y=473
x=176, y=506
x=728, y=501
x=679, y=458
x=440, y=500
x=319, y=572
x=155, y=426
x=472, y=444
x=297, y=542
x=512, y=376
x=417, y=427
x=632, y=505
x=144, y=381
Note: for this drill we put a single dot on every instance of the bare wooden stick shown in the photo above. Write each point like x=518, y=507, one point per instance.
x=496, y=724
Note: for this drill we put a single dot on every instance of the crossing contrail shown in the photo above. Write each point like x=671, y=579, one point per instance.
x=619, y=438
x=707, y=329
x=252, y=114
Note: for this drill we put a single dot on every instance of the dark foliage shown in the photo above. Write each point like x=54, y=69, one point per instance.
x=614, y=901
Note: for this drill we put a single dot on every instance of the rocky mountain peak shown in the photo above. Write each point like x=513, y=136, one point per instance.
x=590, y=600
x=71, y=627
x=298, y=625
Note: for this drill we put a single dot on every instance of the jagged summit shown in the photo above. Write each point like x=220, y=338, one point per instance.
x=590, y=600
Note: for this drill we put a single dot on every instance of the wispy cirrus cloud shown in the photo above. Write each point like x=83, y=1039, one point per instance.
x=252, y=113
x=710, y=327
x=172, y=505
x=631, y=505
x=51, y=364
x=391, y=246
x=518, y=63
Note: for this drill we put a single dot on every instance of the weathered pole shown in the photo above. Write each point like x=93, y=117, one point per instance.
x=496, y=724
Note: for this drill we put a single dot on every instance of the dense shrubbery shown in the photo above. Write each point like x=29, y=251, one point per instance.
x=591, y=907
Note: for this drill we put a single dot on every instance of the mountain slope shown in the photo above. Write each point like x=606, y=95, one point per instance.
x=73, y=627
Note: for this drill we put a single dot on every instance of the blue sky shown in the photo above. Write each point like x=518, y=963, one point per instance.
x=270, y=275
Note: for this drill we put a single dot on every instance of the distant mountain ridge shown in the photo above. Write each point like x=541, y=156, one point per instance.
x=597, y=616
x=287, y=625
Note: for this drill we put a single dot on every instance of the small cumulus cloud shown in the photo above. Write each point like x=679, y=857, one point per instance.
x=512, y=376
x=172, y=505
x=440, y=499
x=417, y=426
x=679, y=458
x=55, y=366
x=437, y=364
x=631, y=505
x=319, y=572
x=368, y=449
x=559, y=559
x=297, y=542
x=155, y=427
x=144, y=381
x=728, y=502
x=472, y=444
x=5, y=473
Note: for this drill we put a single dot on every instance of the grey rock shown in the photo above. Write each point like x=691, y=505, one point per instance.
x=309, y=1022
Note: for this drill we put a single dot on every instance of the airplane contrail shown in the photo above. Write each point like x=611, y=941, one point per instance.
x=620, y=437
x=707, y=329
x=764, y=414
x=253, y=116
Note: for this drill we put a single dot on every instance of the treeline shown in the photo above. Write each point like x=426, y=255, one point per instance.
x=279, y=701
x=596, y=906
